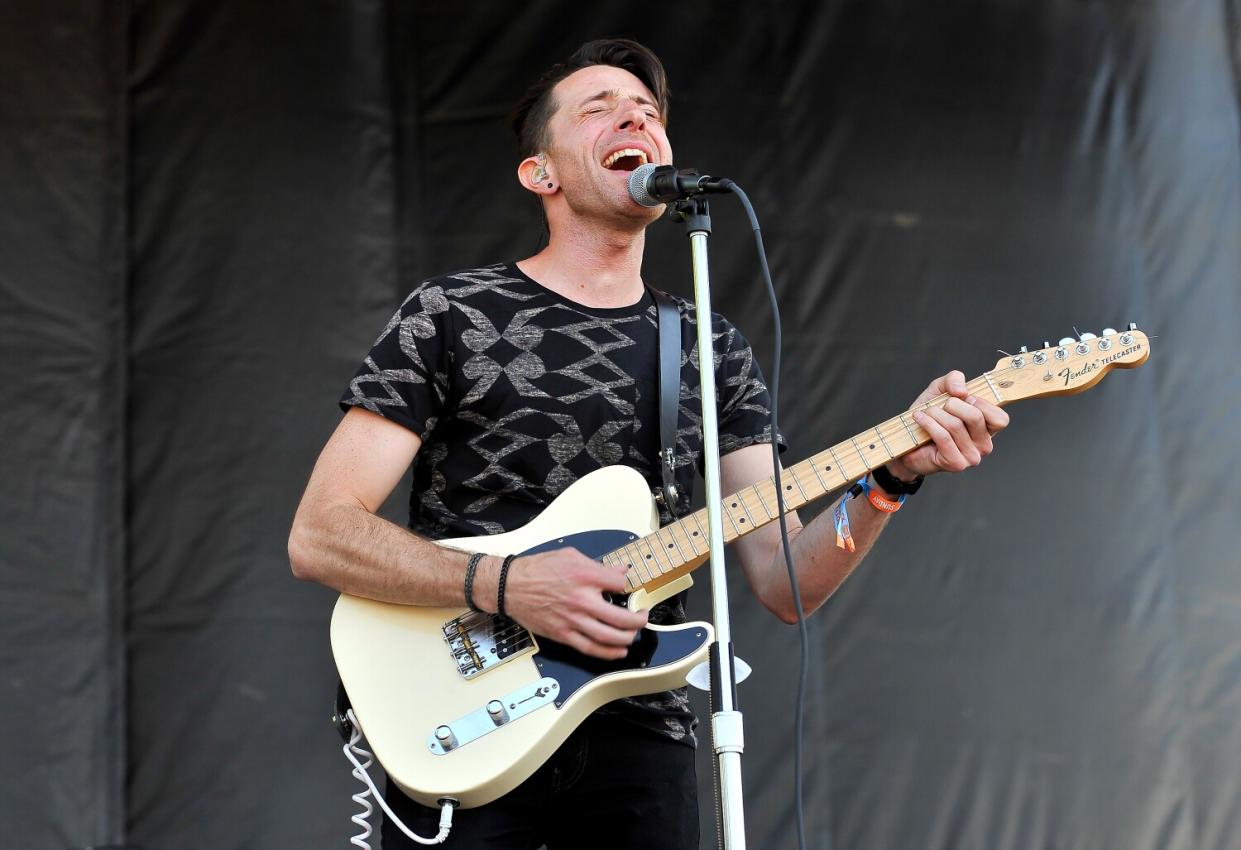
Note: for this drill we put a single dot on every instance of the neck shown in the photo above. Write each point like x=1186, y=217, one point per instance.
x=592, y=266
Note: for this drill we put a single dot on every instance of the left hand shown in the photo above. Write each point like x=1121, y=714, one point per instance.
x=961, y=430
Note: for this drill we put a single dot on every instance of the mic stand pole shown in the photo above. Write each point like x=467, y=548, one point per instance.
x=726, y=725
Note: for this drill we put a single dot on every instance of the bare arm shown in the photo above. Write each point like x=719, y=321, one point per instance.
x=821, y=565
x=337, y=540
x=961, y=434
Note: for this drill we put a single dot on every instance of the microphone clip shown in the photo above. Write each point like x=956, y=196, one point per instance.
x=694, y=211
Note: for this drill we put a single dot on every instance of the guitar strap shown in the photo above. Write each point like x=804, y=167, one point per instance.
x=669, y=393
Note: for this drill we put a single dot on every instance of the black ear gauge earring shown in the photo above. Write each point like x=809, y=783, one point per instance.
x=550, y=185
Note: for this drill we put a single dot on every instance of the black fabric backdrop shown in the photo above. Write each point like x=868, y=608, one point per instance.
x=210, y=208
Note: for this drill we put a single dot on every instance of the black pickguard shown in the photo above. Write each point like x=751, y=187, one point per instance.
x=651, y=648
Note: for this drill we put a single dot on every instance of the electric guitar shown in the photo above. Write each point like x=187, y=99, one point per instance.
x=463, y=705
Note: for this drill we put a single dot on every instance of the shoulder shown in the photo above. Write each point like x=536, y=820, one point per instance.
x=724, y=333
x=689, y=311
x=462, y=282
x=472, y=287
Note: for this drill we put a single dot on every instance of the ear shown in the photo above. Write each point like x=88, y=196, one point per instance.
x=534, y=175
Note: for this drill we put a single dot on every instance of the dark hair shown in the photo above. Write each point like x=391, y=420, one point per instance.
x=532, y=113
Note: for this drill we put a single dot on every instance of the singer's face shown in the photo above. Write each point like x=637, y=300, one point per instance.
x=605, y=125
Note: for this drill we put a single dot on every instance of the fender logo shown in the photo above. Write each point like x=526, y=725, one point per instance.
x=1070, y=376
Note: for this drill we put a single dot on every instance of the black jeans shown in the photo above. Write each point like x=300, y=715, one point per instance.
x=610, y=785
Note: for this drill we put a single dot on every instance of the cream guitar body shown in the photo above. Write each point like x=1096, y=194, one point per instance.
x=466, y=706
x=408, y=680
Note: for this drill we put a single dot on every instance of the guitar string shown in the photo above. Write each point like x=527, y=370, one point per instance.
x=892, y=429
x=895, y=428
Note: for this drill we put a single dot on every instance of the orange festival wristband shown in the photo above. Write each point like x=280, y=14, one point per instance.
x=879, y=503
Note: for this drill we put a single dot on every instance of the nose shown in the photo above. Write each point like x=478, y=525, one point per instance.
x=630, y=115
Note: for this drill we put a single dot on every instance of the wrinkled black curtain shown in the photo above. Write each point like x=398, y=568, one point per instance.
x=210, y=208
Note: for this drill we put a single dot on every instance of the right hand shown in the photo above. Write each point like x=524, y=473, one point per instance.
x=559, y=595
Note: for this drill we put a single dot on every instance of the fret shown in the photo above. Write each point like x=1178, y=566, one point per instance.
x=793, y=474
x=892, y=438
x=814, y=468
x=884, y=443
x=762, y=500
x=910, y=431
x=702, y=532
x=651, y=558
x=736, y=531
x=636, y=563
x=840, y=470
x=861, y=454
x=734, y=501
x=632, y=579
x=698, y=539
x=634, y=568
x=738, y=499
x=636, y=575
x=662, y=553
x=793, y=498
x=685, y=543
x=668, y=544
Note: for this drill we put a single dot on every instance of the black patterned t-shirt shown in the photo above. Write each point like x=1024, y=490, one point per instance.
x=516, y=392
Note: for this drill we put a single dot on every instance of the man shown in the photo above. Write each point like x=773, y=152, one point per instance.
x=503, y=385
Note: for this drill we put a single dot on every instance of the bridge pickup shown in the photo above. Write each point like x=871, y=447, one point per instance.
x=496, y=713
x=480, y=641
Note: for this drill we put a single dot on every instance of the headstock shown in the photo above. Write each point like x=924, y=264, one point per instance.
x=1069, y=367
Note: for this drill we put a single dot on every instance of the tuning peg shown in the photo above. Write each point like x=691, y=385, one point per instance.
x=1046, y=344
x=1023, y=350
x=1087, y=336
x=1109, y=331
x=1068, y=340
x=1133, y=326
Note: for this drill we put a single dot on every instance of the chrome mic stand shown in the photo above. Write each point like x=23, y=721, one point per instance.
x=726, y=724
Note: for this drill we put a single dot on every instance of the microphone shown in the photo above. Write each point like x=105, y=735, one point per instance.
x=651, y=185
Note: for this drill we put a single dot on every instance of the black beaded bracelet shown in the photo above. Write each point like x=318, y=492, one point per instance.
x=470, y=569
x=508, y=562
x=894, y=486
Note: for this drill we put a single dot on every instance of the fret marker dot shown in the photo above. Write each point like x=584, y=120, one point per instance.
x=669, y=545
x=742, y=519
x=872, y=445
x=828, y=468
x=648, y=557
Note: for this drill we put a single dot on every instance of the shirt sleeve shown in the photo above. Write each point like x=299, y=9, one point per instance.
x=404, y=376
x=743, y=399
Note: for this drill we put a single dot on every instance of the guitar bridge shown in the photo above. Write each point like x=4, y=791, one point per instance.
x=480, y=641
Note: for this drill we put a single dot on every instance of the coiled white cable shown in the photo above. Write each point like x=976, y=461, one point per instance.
x=352, y=750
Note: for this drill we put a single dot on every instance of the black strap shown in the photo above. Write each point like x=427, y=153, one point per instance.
x=669, y=392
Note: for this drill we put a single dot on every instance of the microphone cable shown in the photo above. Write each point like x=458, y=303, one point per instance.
x=774, y=389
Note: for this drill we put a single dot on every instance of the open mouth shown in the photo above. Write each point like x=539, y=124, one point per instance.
x=625, y=159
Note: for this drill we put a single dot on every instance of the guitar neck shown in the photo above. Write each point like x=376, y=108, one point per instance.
x=681, y=546
x=1072, y=366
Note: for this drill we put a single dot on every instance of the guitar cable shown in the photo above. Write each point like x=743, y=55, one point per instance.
x=803, y=637
x=362, y=759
